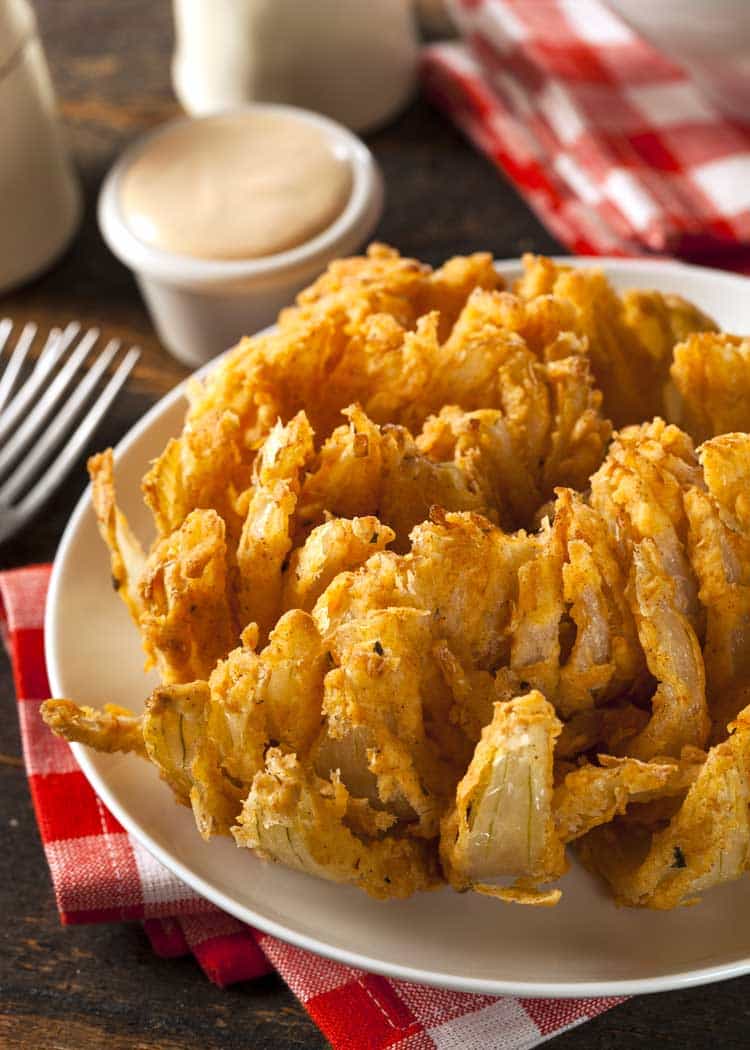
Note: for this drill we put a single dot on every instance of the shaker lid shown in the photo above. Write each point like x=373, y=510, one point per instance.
x=17, y=25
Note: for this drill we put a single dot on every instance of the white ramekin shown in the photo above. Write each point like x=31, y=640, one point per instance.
x=202, y=306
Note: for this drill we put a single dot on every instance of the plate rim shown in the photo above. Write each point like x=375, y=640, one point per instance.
x=544, y=989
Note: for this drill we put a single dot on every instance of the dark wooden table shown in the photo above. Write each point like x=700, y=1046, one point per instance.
x=102, y=986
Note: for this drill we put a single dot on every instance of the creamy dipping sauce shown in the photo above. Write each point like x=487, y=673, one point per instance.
x=240, y=186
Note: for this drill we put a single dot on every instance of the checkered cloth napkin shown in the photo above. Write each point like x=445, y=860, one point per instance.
x=101, y=874
x=612, y=146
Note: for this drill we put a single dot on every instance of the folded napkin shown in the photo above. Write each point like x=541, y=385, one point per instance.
x=101, y=874
x=612, y=146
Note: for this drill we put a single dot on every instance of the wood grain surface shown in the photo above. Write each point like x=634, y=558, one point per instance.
x=101, y=986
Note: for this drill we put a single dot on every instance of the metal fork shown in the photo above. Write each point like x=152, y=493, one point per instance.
x=37, y=448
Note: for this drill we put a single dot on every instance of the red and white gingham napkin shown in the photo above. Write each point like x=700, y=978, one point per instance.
x=613, y=146
x=101, y=874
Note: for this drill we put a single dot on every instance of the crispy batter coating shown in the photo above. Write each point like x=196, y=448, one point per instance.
x=266, y=537
x=706, y=843
x=351, y=337
x=293, y=817
x=679, y=714
x=593, y=795
x=386, y=706
x=202, y=469
x=484, y=448
x=548, y=432
x=719, y=547
x=361, y=470
x=382, y=282
x=601, y=728
x=382, y=331
x=111, y=729
x=275, y=695
x=209, y=738
x=338, y=545
x=639, y=490
x=186, y=621
x=630, y=339
x=364, y=469
x=604, y=658
x=709, y=392
x=370, y=671
x=643, y=488
x=725, y=470
x=461, y=569
x=126, y=555
x=574, y=636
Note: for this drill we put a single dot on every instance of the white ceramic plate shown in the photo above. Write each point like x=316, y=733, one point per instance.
x=584, y=947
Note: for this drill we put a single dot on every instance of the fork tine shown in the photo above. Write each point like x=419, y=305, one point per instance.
x=54, y=434
x=52, y=338
x=17, y=358
x=34, y=383
x=49, y=347
x=60, y=467
x=6, y=327
x=46, y=404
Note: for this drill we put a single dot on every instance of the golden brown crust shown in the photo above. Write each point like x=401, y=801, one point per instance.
x=126, y=556
x=110, y=729
x=370, y=671
x=709, y=390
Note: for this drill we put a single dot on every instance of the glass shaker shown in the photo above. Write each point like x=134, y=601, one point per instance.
x=353, y=60
x=40, y=204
